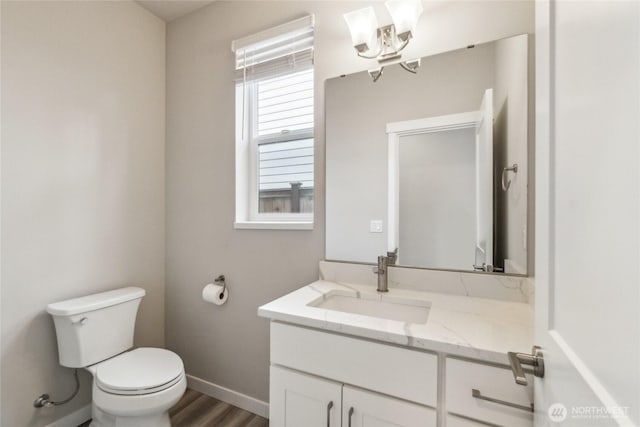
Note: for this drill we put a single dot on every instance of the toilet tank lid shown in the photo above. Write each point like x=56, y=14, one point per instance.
x=95, y=301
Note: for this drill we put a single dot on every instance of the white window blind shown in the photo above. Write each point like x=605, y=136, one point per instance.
x=277, y=51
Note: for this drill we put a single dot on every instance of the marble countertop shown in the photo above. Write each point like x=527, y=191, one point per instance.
x=476, y=328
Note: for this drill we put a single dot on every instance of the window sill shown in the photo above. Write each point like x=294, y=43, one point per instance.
x=273, y=225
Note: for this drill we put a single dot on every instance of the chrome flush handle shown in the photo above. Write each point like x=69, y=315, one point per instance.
x=80, y=321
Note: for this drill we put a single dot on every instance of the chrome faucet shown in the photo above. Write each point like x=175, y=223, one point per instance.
x=382, y=272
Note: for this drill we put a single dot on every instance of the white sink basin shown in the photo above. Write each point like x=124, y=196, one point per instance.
x=416, y=311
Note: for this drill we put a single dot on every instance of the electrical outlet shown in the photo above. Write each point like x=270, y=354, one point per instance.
x=375, y=226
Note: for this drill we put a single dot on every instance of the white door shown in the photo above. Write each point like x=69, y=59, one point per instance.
x=484, y=181
x=368, y=409
x=299, y=400
x=587, y=212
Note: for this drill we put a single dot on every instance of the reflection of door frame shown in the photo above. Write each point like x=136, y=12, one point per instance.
x=414, y=127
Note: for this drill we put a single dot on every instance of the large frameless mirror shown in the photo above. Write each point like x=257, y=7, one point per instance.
x=434, y=164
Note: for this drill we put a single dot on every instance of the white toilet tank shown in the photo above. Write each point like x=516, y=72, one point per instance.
x=95, y=327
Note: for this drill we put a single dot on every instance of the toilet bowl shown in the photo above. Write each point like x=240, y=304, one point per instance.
x=137, y=388
x=131, y=388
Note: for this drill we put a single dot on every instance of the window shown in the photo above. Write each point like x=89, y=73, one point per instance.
x=274, y=127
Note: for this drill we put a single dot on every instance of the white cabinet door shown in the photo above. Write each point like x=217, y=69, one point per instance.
x=299, y=400
x=454, y=421
x=367, y=409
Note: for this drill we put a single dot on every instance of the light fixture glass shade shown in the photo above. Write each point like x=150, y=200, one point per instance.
x=405, y=14
x=364, y=28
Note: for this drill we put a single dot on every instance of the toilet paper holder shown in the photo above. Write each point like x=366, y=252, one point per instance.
x=220, y=279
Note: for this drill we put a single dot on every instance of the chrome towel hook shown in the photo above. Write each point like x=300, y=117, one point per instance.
x=507, y=184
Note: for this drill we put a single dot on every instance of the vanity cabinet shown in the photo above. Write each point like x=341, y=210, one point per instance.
x=321, y=378
x=299, y=399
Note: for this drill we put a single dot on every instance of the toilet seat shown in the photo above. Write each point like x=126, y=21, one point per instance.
x=140, y=371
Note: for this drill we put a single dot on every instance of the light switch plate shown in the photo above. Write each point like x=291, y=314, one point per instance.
x=375, y=226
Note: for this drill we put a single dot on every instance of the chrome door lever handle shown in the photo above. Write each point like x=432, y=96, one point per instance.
x=535, y=360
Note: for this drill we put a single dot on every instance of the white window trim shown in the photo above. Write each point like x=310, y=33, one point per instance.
x=246, y=161
x=277, y=225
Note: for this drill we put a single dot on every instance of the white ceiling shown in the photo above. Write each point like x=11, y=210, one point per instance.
x=168, y=10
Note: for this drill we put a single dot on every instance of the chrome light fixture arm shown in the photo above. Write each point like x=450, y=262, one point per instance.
x=411, y=66
x=387, y=44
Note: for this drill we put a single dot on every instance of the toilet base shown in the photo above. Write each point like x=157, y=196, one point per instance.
x=145, y=410
x=100, y=418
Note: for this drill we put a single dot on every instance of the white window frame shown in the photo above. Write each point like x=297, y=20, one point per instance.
x=247, y=168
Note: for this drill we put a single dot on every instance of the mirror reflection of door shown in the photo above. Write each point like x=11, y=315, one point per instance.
x=437, y=202
x=484, y=185
x=445, y=190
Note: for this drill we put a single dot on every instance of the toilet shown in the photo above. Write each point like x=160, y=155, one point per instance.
x=130, y=387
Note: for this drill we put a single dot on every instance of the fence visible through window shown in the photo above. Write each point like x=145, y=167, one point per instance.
x=286, y=176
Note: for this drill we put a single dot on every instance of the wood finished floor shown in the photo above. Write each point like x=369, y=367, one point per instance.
x=198, y=410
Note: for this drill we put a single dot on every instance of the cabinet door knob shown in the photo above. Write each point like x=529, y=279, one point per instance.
x=329, y=406
x=350, y=414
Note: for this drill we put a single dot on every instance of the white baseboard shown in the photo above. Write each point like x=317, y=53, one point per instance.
x=232, y=397
x=74, y=419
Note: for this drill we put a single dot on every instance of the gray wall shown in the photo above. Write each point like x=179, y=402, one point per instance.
x=228, y=345
x=82, y=181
